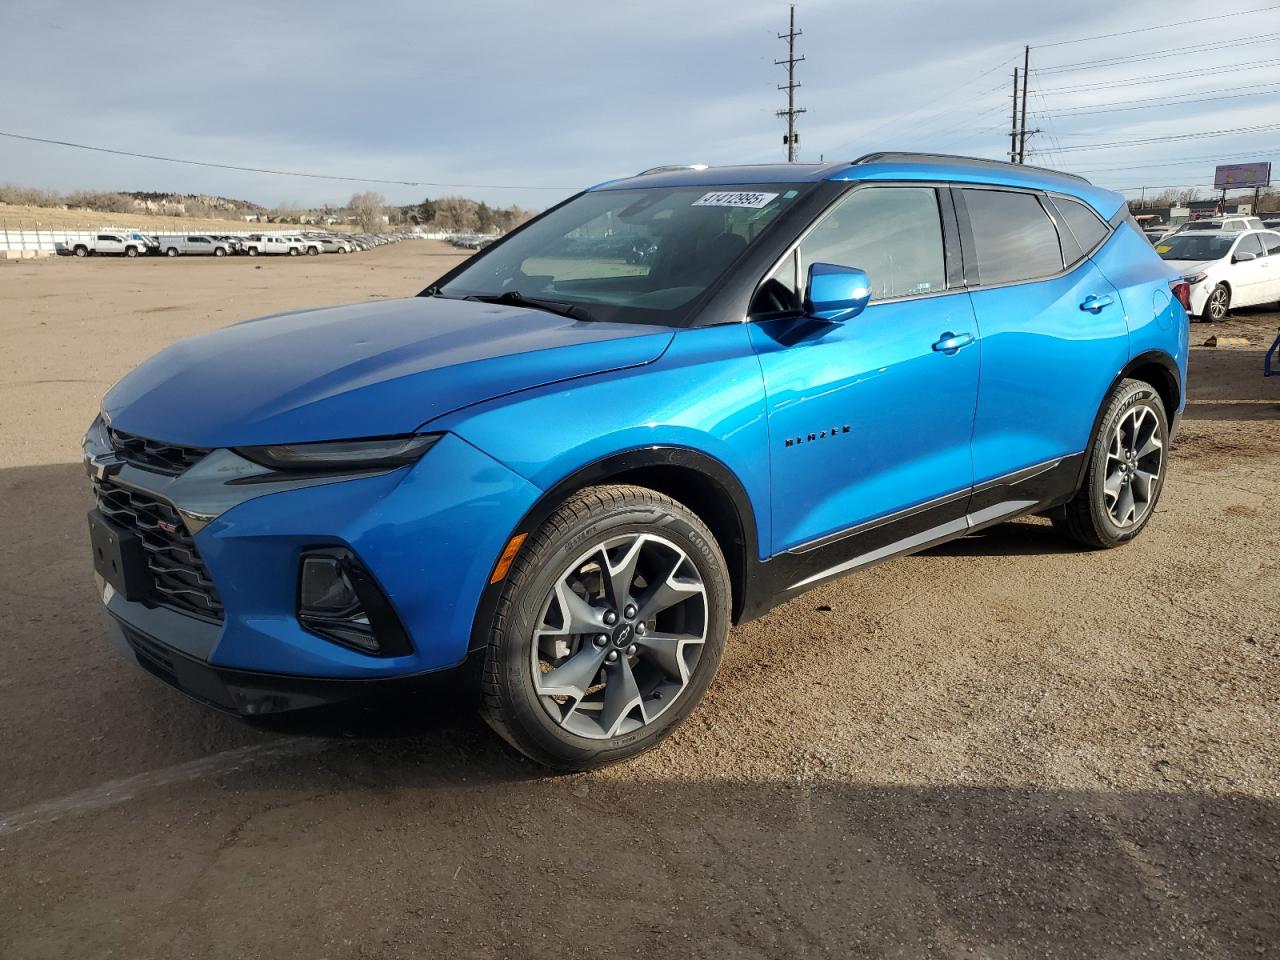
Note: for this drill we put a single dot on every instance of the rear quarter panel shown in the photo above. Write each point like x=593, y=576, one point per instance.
x=1157, y=322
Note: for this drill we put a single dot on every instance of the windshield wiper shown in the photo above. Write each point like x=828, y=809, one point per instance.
x=518, y=299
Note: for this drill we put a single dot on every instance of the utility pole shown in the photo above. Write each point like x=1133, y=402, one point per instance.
x=1013, y=121
x=791, y=139
x=1022, y=126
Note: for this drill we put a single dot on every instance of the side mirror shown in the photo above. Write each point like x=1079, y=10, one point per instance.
x=1244, y=257
x=836, y=293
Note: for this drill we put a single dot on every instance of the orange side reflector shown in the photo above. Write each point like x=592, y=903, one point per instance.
x=509, y=554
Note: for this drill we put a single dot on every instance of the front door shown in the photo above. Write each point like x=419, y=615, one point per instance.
x=870, y=418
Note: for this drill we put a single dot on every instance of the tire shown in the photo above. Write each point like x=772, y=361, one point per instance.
x=312, y=251
x=219, y=252
x=293, y=251
x=130, y=251
x=1218, y=304
x=1120, y=475
x=253, y=251
x=171, y=252
x=656, y=659
x=81, y=250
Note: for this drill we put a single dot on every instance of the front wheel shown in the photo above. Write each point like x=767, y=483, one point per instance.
x=219, y=252
x=1218, y=304
x=293, y=251
x=312, y=251
x=131, y=251
x=82, y=251
x=1126, y=471
x=608, y=631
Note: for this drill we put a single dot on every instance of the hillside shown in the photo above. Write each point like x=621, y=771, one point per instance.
x=15, y=217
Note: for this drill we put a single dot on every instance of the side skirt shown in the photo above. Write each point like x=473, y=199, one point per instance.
x=802, y=568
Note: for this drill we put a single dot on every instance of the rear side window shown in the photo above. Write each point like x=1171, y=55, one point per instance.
x=1013, y=237
x=1083, y=223
x=1272, y=242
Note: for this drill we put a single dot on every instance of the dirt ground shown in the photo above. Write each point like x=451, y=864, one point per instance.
x=1005, y=747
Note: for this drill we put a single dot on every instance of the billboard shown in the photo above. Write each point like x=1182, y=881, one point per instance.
x=1239, y=176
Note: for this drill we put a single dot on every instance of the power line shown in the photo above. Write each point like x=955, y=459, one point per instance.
x=1259, y=128
x=1190, y=161
x=279, y=173
x=1210, y=47
x=1150, y=105
x=1160, y=26
x=1245, y=67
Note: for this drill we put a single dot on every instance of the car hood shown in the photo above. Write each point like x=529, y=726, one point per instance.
x=1188, y=267
x=364, y=370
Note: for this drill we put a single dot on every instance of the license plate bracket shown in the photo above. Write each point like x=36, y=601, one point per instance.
x=119, y=558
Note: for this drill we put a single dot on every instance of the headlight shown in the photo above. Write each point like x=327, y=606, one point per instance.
x=382, y=453
x=1195, y=277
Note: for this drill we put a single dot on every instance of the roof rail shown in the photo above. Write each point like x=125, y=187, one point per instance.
x=905, y=156
x=671, y=167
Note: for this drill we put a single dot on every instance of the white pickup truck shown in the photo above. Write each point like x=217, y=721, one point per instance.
x=124, y=244
x=269, y=243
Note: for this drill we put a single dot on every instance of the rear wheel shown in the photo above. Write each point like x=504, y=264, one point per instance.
x=81, y=250
x=171, y=252
x=293, y=251
x=312, y=251
x=1218, y=304
x=609, y=629
x=1126, y=471
x=253, y=251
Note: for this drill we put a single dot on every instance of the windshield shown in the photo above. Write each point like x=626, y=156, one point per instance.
x=632, y=255
x=1197, y=246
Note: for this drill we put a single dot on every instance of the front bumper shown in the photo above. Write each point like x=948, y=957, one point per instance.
x=429, y=535
x=244, y=693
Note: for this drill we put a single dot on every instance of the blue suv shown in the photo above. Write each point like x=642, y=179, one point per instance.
x=664, y=406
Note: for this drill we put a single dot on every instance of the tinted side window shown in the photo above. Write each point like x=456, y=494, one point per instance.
x=1251, y=244
x=1083, y=223
x=893, y=233
x=1014, y=238
x=1272, y=242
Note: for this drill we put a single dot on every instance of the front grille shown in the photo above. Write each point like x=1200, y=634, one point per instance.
x=179, y=578
x=166, y=458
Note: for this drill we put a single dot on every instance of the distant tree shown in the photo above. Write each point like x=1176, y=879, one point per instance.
x=426, y=211
x=368, y=209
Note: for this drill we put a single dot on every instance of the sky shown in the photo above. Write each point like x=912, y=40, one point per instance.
x=525, y=103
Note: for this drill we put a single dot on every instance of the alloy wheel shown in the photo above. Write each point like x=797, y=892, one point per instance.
x=1218, y=303
x=619, y=636
x=1135, y=458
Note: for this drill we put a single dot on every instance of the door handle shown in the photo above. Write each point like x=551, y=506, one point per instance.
x=1094, y=303
x=952, y=343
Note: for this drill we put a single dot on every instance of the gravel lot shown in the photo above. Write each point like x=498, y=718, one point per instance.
x=1005, y=747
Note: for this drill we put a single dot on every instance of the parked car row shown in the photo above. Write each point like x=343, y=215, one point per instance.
x=133, y=244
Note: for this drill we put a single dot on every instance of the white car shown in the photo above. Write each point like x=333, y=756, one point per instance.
x=1236, y=224
x=1225, y=270
x=304, y=244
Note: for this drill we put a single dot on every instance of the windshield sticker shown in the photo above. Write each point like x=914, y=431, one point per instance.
x=1163, y=248
x=740, y=198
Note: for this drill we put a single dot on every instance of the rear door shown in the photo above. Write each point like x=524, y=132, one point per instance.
x=1271, y=265
x=1054, y=335
x=1249, y=278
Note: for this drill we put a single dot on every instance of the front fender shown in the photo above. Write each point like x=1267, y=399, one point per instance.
x=705, y=394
